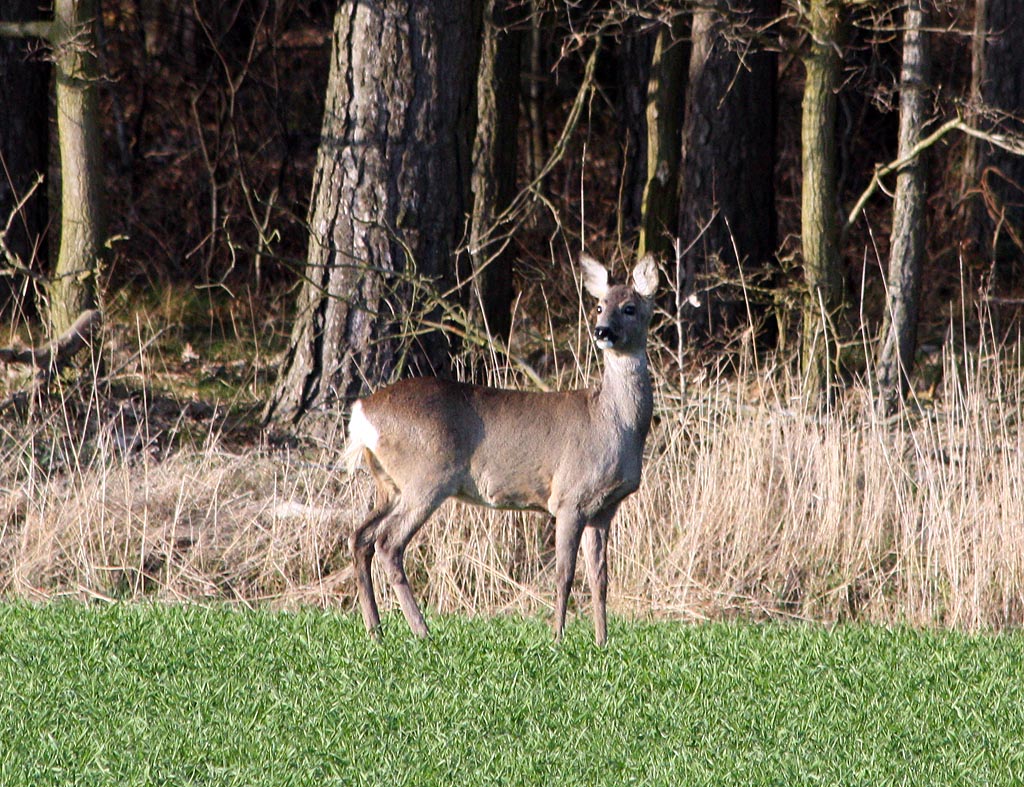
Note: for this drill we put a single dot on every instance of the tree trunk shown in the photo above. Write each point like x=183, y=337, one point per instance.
x=633, y=54
x=83, y=226
x=973, y=208
x=390, y=197
x=665, y=103
x=536, y=79
x=903, y=293
x=494, y=170
x=819, y=219
x=996, y=217
x=728, y=215
x=24, y=151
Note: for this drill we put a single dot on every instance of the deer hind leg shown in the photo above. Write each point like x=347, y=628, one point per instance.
x=393, y=535
x=362, y=543
x=568, y=530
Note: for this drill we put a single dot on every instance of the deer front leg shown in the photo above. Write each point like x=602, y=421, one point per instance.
x=595, y=552
x=568, y=530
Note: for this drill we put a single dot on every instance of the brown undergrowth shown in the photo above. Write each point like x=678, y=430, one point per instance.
x=752, y=505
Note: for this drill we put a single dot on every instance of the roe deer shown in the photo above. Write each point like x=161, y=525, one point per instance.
x=574, y=454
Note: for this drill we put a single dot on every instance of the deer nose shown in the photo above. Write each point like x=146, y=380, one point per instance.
x=604, y=334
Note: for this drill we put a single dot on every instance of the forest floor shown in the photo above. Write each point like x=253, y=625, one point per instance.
x=190, y=362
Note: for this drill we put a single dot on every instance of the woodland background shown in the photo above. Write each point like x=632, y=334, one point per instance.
x=833, y=188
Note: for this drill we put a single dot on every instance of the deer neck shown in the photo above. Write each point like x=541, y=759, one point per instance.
x=625, y=399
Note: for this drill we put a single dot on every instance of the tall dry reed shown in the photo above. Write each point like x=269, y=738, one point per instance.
x=751, y=505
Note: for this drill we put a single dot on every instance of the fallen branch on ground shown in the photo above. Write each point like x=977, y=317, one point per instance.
x=49, y=359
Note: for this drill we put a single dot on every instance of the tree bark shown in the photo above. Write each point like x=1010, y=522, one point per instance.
x=666, y=91
x=390, y=197
x=995, y=218
x=72, y=287
x=903, y=292
x=823, y=280
x=24, y=153
x=727, y=213
x=536, y=80
x=633, y=54
x=494, y=169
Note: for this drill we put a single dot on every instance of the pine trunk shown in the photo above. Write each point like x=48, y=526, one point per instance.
x=390, y=198
x=727, y=216
x=536, y=79
x=632, y=76
x=494, y=169
x=995, y=216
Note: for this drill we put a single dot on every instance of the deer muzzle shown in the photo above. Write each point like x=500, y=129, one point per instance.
x=605, y=337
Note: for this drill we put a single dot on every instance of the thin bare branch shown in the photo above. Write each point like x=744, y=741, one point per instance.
x=1008, y=142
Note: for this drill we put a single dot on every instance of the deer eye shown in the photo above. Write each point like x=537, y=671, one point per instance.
x=629, y=309
x=600, y=309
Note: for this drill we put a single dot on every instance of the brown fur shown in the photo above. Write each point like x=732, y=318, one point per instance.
x=574, y=454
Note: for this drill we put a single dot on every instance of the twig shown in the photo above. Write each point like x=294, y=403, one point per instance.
x=893, y=166
x=531, y=190
x=1011, y=143
x=469, y=336
x=15, y=265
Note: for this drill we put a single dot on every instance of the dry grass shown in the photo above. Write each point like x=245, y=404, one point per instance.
x=773, y=510
x=751, y=505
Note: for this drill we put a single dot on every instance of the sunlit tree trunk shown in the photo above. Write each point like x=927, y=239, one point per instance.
x=823, y=281
x=666, y=99
x=83, y=222
x=71, y=34
x=903, y=287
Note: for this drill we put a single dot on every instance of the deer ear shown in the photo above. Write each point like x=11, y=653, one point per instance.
x=595, y=276
x=645, y=276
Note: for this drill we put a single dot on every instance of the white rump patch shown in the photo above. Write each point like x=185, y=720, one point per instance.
x=361, y=434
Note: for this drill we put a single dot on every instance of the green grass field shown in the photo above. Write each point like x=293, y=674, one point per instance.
x=145, y=694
